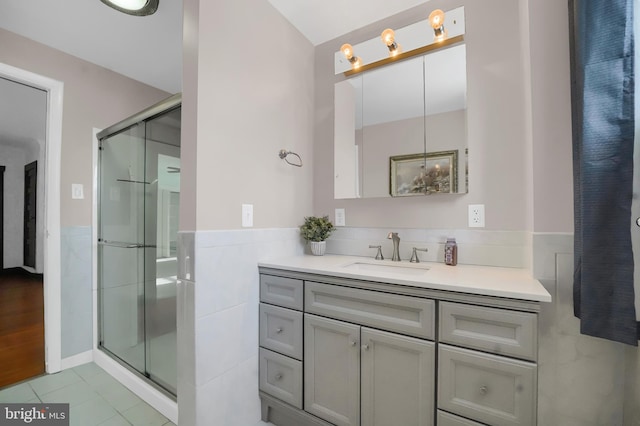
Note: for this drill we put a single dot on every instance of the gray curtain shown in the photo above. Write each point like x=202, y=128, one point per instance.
x=603, y=138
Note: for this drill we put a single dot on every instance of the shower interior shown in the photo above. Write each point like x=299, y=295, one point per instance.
x=138, y=204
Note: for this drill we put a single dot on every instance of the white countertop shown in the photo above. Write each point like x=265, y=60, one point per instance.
x=512, y=283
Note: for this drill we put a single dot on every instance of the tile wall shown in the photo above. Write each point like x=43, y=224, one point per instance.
x=493, y=248
x=582, y=380
x=218, y=296
x=76, y=290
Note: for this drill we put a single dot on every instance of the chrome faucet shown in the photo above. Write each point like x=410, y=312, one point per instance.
x=396, y=246
x=379, y=255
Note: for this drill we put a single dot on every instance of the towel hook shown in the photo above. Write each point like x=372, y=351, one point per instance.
x=283, y=155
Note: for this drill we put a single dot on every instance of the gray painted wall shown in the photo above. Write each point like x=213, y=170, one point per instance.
x=94, y=97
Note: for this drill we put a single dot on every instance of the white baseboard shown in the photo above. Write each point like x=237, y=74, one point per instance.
x=165, y=405
x=76, y=360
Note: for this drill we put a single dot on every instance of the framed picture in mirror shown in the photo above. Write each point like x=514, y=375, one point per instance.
x=421, y=174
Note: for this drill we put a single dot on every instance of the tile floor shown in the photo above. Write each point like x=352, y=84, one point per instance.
x=94, y=397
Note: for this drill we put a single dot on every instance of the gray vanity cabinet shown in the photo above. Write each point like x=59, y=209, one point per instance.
x=361, y=376
x=332, y=370
x=397, y=379
x=280, y=338
x=486, y=364
x=346, y=352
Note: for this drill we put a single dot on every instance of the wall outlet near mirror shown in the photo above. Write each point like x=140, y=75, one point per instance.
x=476, y=215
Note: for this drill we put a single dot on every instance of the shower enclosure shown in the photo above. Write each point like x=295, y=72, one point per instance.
x=138, y=199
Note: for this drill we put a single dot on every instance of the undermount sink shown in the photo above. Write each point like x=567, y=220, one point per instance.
x=403, y=269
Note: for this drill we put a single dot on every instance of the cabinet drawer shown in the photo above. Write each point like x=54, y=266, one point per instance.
x=487, y=388
x=281, y=330
x=404, y=314
x=448, y=419
x=494, y=330
x=286, y=292
x=281, y=377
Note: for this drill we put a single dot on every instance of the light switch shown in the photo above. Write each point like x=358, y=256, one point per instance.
x=247, y=215
x=77, y=191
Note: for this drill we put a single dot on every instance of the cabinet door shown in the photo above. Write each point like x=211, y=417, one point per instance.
x=332, y=370
x=397, y=380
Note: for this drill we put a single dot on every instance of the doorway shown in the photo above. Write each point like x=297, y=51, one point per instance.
x=51, y=218
x=2, y=168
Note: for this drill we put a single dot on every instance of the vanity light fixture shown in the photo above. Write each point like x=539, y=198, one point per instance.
x=133, y=7
x=347, y=51
x=389, y=39
x=436, y=19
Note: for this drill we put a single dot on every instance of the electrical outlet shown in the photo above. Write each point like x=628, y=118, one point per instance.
x=340, y=217
x=476, y=215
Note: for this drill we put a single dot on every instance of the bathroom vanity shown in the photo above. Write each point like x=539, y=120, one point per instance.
x=355, y=341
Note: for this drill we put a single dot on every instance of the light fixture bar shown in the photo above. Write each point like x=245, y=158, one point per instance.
x=408, y=38
x=450, y=42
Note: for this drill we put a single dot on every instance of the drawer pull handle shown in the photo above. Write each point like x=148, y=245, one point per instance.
x=353, y=343
x=279, y=330
x=484, y=390
x=278, y=377
x=365, y=347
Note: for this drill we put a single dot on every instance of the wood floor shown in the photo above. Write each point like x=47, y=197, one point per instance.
x=21, y=326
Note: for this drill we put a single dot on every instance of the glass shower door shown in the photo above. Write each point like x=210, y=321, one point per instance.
x=138, y=229
x=161, y=227
x=121, y=246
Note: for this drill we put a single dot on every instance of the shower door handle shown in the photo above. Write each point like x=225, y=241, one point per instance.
x=124, y=245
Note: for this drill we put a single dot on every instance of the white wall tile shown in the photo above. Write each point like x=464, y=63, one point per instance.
x=581, y=379
x=231, y=399
x=491, y=248
x=76, y=292
x=224, y=308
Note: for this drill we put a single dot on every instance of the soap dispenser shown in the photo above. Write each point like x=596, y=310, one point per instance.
x=451, y=252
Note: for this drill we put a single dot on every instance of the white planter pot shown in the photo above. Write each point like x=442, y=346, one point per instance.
x=318, y=247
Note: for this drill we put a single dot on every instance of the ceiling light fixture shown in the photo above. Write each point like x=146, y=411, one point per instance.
x=347, y=51
x=389, y=39
x=133, y=7
x=436, y=19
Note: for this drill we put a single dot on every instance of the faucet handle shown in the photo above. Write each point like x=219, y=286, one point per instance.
x=379, y=254
x=414, y=255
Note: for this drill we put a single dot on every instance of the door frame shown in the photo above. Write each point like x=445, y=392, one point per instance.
x=53, y=144
x=2, y=169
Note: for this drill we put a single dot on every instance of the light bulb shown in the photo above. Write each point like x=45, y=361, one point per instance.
x=436, y=19
x=388, y=36
x=130, y=4
x=347, y=51
x=440, y=35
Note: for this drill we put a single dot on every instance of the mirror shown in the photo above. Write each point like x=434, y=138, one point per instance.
x=400, y=130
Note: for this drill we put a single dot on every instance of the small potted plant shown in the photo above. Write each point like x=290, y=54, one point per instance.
x=316, y=230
